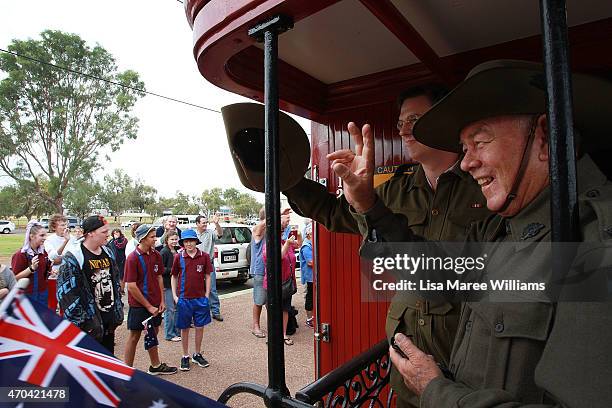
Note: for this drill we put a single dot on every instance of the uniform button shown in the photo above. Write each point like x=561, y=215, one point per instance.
x=592, y=193
x=468, y=325
x=421, y=322
x=499, y=327
x=435, y=211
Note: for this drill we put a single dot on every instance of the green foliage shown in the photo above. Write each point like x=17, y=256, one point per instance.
x=242, y=204
x=120, y=193
x=142, y=196
x=212, y=199
x=8, y=204
x=23, y=200
x=184, y=204
x=54, y=124
x=231, y=196
x=82, y=196
x=246, y=205
x=157, y=207
x=116, y=192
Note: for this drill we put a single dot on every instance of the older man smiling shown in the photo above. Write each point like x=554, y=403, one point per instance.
x=506, y=354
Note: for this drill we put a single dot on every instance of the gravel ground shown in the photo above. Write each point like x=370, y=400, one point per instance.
x=235, y=355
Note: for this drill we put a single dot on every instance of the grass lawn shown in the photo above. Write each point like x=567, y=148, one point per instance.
x=9, y=244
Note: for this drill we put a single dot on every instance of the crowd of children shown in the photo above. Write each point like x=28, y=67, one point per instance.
x=92, y=272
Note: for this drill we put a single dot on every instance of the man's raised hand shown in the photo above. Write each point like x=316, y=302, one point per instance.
x=357, y=168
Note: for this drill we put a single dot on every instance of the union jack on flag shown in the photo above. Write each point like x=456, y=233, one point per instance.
x=37, y=347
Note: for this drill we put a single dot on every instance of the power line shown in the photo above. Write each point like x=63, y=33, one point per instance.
x=108, y=81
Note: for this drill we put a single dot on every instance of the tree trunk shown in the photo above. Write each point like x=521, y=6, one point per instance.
x=59, y=204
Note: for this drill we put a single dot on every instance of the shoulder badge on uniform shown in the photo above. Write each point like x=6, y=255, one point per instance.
x=531, y=230
x=404, y=169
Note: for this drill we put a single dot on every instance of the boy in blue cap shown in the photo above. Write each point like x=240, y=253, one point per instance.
x=191, y=287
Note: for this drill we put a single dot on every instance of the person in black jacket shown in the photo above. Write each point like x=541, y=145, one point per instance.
x=170, y=246
x=117, y=244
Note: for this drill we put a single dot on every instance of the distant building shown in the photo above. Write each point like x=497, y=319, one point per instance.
x=100, y=211
x=135, y=215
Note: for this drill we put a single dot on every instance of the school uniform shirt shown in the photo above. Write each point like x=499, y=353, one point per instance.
x=21, y=260
x=135, y=273
x=196, y=269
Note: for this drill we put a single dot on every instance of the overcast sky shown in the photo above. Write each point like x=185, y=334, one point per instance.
x=153, y=38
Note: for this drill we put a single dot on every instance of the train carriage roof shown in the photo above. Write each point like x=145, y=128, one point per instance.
x=349, y=53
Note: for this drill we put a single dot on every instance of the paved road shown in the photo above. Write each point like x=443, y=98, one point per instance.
x=235, y=355
x=224, y=288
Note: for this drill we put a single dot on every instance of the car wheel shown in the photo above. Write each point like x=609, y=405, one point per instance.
x=6, y=231
x=239, y=281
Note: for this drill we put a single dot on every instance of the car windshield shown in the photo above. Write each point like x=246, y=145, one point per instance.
x=242, y=235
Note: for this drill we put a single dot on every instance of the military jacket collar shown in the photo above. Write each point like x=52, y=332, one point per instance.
x=533, y=222
x=420, y=180
x=589, y=177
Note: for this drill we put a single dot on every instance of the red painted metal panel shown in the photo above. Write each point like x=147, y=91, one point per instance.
x=356, y=324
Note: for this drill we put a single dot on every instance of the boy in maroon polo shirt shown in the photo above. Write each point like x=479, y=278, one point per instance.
x=191, y=287
x=143, y=278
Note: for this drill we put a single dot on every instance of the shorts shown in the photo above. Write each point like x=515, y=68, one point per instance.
x=286, y=304
x=192, y=310
x=136, y=315
x=259, y=293
x=308, y=297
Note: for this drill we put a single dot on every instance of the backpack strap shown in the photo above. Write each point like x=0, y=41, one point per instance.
x=183, y=273
x=145, y=285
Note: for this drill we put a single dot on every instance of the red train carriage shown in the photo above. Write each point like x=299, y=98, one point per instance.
x=347, y=60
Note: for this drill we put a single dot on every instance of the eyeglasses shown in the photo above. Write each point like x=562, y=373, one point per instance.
x=410, y=121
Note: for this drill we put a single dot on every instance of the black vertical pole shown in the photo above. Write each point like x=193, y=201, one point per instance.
x=277, y=387
x=564, y=202
x=276, y=355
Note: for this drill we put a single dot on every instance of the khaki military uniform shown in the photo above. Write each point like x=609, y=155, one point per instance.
x=510, y=354
x=444, y=215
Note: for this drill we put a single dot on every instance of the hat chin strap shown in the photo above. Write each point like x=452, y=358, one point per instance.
x=524, y=162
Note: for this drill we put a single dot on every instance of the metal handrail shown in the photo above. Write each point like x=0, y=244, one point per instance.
x=360, y=380
x=262, y=392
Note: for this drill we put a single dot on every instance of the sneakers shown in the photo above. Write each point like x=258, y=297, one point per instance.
x=175, y=338
x=199, y=360
x=185, y=363
x=217, y=317
x=162, y=369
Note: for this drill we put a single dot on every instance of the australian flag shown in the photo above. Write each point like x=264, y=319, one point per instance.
x=150, y=339
x=39, y=348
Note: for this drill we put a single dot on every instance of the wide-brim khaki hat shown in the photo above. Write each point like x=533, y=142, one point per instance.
x=244, y=125
x=511, y=87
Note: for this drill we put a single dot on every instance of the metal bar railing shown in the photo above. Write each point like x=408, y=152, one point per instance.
x=360, y=381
